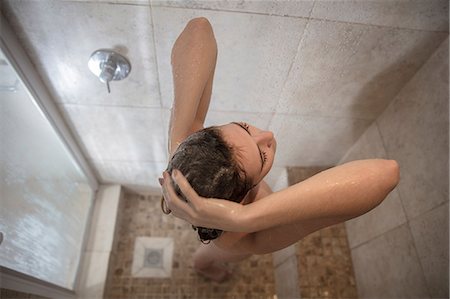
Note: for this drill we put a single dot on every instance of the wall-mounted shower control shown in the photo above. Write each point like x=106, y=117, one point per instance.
x=108, y=65
x=1, y=238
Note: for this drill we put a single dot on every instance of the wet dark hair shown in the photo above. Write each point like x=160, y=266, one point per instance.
x=210, y=166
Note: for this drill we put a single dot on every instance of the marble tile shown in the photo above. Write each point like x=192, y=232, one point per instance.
x=137, y=176
x=286, y=277
x=368, y=146
x=251, y=64
x=318, y=141
x=281, y=8
x=415, y=132
x=430, y=233
x=415, y=14
x=120, y=133
x=101, y=236
x=152, y=257
x=352, y=70
x=92, y=281
x=388, y=215
x=282, y=255
x=388, y=267
x=259, y=120
x=277, y=178
x=61, y=52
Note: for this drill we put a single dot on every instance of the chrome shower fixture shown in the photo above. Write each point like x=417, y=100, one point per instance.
x=108, y=65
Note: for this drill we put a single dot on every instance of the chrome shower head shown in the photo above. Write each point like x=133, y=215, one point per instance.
x=108, y=65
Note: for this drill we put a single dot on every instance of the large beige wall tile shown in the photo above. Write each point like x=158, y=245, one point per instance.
x=314, y=141
x=61, y=51
x=414, y=14
x=218, y=118
x=282, y=8
x=353, y=70
x=254, y=56
x=368, y=146
x=415, y=132
x=388, y=267
x=137, y=176
x=120, y=133
x=430, y=233
x=389, y=214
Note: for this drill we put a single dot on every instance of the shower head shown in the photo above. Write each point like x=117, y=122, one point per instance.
x=108, y=65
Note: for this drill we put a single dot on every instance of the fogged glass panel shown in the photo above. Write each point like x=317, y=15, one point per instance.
x=44, y=196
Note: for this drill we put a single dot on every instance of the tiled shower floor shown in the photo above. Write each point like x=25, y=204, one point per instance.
x=325, y=267
x=324, y=262
x=142, y=217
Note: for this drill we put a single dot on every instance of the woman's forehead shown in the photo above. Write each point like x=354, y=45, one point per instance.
x=246, y=148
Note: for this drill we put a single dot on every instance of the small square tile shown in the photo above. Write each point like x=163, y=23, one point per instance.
x=152, y=257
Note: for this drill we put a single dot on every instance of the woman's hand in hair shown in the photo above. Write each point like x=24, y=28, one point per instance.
x=200, y=211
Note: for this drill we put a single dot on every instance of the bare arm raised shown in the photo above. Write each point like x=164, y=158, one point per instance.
x=332, y=196
x=193, y=60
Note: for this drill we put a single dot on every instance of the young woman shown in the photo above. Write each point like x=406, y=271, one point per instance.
x=215, y=175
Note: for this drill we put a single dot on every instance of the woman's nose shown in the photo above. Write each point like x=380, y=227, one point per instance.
x=264, y=138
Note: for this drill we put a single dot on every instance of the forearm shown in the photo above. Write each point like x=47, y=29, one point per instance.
x=335, y=195
x=339, y=193
x=193, y=62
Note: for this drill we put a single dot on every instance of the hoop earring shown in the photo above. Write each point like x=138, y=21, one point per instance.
x=164, y=208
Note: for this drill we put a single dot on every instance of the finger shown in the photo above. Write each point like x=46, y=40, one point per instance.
x=184, y=186
x=174, y=203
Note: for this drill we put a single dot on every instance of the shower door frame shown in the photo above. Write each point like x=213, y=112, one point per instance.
x=38, y=92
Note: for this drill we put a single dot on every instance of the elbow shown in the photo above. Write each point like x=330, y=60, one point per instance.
x=393, y=171
x=388, y=174
x=199, y=25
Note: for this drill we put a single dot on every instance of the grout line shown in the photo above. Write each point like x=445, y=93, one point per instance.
x=110, y=106
x=256, y=13
x=290, y=67
x=292, y=114
x=302, y=17
x=407, y=222
x=124, y=161
x=155, y=54
x=420, y=261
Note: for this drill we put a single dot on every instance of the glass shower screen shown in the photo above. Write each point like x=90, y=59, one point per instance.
x=45, y=198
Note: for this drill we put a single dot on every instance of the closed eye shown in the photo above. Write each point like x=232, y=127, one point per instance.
x=262, y=155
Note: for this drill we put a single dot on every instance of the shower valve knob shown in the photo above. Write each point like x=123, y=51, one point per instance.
x=108, y=65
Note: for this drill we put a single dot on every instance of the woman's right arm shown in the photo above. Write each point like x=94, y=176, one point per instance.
x=193, y=60
x=339, y=193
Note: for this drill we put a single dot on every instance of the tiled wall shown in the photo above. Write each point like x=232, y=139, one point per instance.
x=400, y=249
x=321, y=71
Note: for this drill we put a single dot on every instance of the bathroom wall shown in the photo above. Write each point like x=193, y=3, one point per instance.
x=400, y=249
